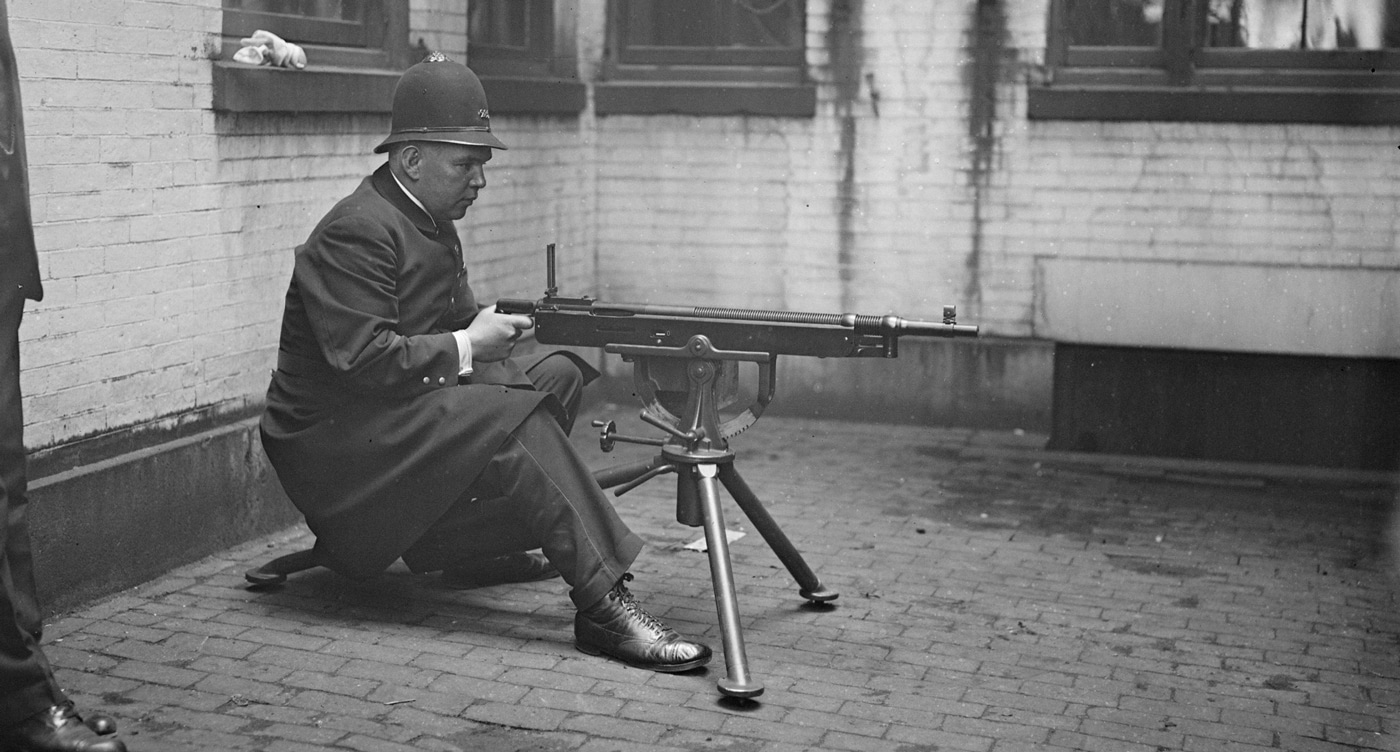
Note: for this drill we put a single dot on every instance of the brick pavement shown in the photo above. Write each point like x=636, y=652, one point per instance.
x=994, y=598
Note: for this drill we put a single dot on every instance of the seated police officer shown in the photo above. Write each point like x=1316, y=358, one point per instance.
x=399, y=424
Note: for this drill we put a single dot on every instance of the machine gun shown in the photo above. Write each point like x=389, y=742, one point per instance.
x=685, y=365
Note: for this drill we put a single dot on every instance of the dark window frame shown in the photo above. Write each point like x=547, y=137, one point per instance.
x=1186, y=80
x=702, y=80
x=351, y=66
x=538, y=77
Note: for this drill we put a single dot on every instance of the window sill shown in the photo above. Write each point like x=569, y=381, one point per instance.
x=533, y=96
x=705, y=98
x=246, y=88
x=1218, y=105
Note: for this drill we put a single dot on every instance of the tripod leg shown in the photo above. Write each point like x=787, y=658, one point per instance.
x=737, y=683
x=810, y=586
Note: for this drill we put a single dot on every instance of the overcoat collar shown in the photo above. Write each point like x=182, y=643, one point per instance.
x=443, y=232
x=385, y=185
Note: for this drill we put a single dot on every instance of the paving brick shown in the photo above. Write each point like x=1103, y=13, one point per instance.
x=155, y=673
x=472, y=687
x=432, y=719
x=515, y=716
x=96, y=684
x=276, y=655
x=304, y=734
x=369, y=652
x=351, y=686
x=399, y=674
x=1316, y=744
x=371, y=744
x=1149, y=732
x=690, y=718
x=282, y=745
x=966, y=637
x=941, y=739
x=163, y=696
x=433, y=744
x=144, y=651
x=331, y=702
x=616, y=729
x=1088, y=742
x=599, y=745
x=364, y=725
x=748, y=727
x=79, y=659
x=836, y=722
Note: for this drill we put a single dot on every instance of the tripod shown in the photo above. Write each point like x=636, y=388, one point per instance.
x=697, y=450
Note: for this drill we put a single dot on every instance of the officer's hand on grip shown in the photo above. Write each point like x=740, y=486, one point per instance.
x=493, y=335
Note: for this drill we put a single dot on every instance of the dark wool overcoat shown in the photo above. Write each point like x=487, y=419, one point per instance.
x=367, y=426
x=19, y=260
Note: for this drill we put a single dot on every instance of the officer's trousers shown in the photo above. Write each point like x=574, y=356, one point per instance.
x=27, y=684
x=537, y=493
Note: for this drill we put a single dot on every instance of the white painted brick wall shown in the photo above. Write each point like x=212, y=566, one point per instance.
x=166, y=231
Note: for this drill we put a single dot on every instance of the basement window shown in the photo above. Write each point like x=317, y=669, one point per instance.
x=706, y=57
x=355, y=50
x=523, y=52
x=1278, y=61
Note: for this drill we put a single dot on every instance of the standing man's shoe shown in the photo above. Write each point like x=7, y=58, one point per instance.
x=58, y=729
x=102, y=725
x=617, y=627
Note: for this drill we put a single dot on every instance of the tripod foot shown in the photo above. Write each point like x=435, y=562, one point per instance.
x=819, y=595
x=739, y=690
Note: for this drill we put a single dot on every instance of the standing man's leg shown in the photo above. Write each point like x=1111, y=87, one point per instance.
x=26, y=683
x=35, y=716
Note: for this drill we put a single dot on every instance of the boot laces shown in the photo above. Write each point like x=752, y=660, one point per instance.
x=629, y=603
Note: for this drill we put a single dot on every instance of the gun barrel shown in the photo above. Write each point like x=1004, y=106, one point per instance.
x=935, y=329
x=860, y=323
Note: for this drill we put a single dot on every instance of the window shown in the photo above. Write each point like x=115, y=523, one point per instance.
x=511, y=37
x=355, y=51
x=523, y=52
x=707, y=57
x=1321, y=61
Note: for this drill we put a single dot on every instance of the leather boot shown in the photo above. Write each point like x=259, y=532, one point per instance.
x=58, y=729
x=617, y=627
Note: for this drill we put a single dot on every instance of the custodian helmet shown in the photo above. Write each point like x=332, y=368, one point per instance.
x=440, y=100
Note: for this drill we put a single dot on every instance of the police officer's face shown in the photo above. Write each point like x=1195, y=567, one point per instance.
x=448, y=177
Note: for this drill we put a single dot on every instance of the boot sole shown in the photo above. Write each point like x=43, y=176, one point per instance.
x=665, y=668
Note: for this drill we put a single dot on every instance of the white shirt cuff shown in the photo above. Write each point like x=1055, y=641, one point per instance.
x=464, y=350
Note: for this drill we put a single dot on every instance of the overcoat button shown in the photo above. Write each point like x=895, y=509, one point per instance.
x=442, y=379
x=427, y=380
